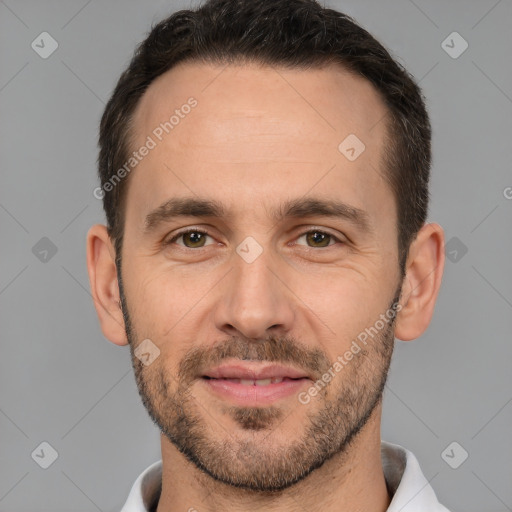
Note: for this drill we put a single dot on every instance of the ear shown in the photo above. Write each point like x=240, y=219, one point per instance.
x=104, y=286
x=424, y=272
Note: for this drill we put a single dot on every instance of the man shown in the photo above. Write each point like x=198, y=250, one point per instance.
x=264, y=171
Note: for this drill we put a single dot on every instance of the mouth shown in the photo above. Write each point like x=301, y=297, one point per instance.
x=254, y=384
x=254, y=371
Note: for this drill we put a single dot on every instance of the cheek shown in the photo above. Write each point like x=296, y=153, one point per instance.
x=341, y=306
x=162, y=300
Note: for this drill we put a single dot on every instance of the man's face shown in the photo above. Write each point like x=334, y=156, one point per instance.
x=261, y=286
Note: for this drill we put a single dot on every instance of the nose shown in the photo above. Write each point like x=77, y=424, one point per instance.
x=255, y=300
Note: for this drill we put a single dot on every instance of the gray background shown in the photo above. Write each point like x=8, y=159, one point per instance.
x=63, y=383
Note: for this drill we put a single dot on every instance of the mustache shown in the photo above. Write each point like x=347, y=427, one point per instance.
x=272, y=349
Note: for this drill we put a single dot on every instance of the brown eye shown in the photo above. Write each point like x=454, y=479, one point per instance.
x=318, y=239
x=192, y=239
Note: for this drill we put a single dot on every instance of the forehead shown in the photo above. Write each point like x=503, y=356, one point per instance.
x=256, y=130
x=330, y=99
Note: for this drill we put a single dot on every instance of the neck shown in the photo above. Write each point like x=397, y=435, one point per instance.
x=352, y=481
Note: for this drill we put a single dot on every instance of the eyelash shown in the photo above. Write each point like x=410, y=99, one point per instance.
x=198, y=230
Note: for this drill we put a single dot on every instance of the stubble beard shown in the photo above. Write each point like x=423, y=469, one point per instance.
x=250, y=456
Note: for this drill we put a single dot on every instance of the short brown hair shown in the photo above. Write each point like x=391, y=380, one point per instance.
x=288, y=33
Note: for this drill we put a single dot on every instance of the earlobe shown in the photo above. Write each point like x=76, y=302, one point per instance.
x=424, y=272
x=104, y=285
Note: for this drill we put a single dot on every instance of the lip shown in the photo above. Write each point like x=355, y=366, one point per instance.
x=224, y=382
x=255, y=371
x=254, y=396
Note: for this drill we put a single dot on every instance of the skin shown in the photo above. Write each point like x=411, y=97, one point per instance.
x=258, y=137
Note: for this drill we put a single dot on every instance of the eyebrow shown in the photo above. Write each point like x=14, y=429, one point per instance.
x=296, y=208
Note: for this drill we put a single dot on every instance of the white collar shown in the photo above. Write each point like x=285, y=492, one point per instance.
x=410, y=489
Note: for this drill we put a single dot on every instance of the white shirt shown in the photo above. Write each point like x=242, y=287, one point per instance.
x=410, y=489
